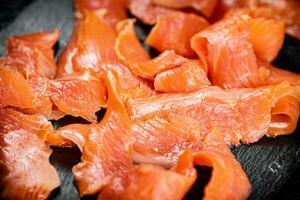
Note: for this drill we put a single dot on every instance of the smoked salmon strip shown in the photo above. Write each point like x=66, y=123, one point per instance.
x=107, y=153
x=79, y=94
x=14, y=89
x=12, y=120
x=180, y=28
x=115, y=9
x=26, y=171
x=205, y=7
x=131, y=54
x=91, y=45
x=188, y=77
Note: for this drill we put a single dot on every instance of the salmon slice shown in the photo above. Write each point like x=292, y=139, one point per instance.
x=228, y=109
x=206, y=7
x=228, y=179
x=154, y=182
x=27, y=173
x=148, y=12
x=33, y=53
x=14, y=89
x=107, y=151
x=224, y=48
x=186, y=78
x=91, y=45
x=79, y=94
x=180, y=28
x=70, y=135
x=267, y=36
x=116, y=9
x=12, y=120
x=131, y=54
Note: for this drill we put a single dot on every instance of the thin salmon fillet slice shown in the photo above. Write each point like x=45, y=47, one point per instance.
x=147, y=12
x=33, y=54
x=131, y=53
x=206, y=7
x=116, y=9
x=12, y=120
x=70, y=136
x=14, y=89
x=27, y=172
x=225, y=49
x=180, y=28
x=188, y=77
x=232, y=111
x=107, y=152
x=91, y=45
x=79, y=94
x=147, y=181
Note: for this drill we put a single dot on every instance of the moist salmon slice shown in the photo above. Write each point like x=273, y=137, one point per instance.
x=91, y=45
x=131, y=53
x=115, y=9
x=205, y=7
x=107, y=152
x=225, y=49
x=27, y=172
x=180, y=28
x=33, y=53
x=12, y=120
x=188, y=77
x=14, y=89
x=79, y=94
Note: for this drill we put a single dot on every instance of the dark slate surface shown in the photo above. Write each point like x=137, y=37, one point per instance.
x=273, y=165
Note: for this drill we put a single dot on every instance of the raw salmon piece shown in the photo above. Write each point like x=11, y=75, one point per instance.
x=132, y=54
x=148, y=12
x=91, y=46
x=205, y=7
x=12, y=120
x=70, y=135
x=33, y=53
x=228, y=179
x=179, y=28
x=14, y=89
x=154, y=182
x=233, y=111
x=186, y=78
x=224, y=48
x=79, y=94
x=26, y=171
x=116, y=9
x=107, y=151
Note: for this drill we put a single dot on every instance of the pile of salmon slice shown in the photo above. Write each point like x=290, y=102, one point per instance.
x=210, y=87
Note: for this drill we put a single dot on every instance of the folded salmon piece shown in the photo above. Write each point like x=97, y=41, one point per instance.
x=79, y=94
x=147, y=181
x=225, y=49
x=107, y=152
x=206, y=7
x=32, y=53
x=179, y=28
x=131, y=53
x=188, y=77
x=12, y=120
x=115, y=9
x=287, y=10
x=158, y=122
x=26, y=170
x=14, y=89
x=91, y=45
x=146, y=11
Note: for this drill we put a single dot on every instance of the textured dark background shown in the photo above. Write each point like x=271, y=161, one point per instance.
x=273, y=165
